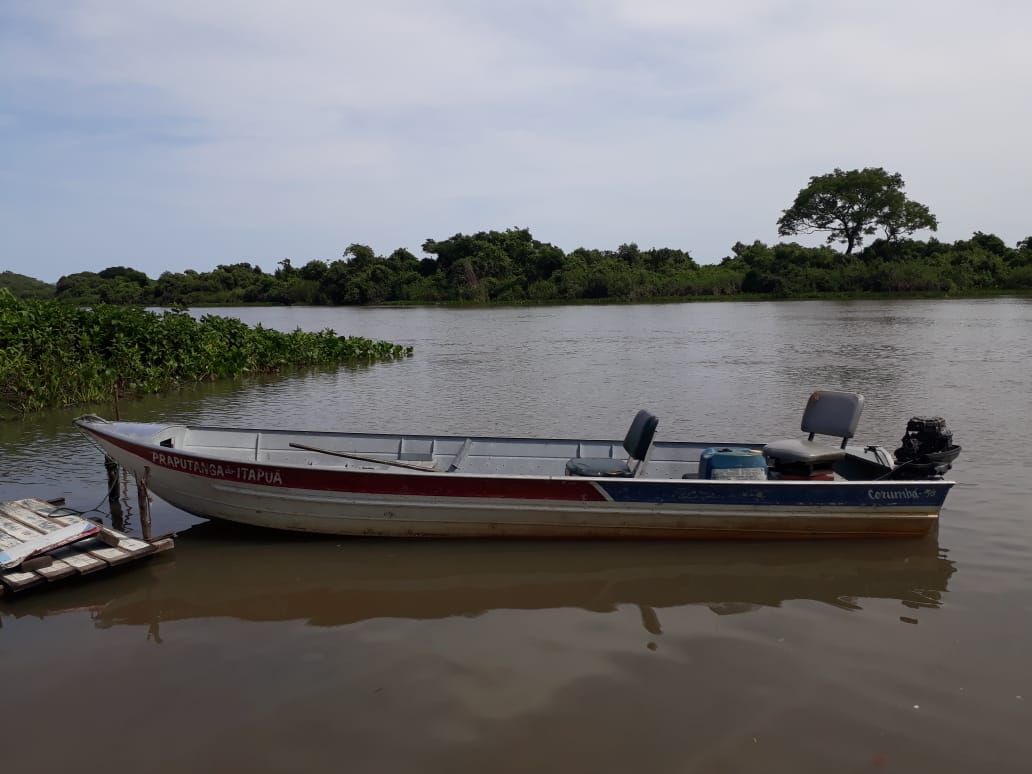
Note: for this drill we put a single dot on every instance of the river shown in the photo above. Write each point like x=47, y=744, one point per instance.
x=256, y=651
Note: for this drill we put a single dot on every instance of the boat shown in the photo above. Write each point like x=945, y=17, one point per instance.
x=398, y=485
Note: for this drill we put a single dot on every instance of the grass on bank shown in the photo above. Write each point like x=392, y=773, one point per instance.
x=55, y=354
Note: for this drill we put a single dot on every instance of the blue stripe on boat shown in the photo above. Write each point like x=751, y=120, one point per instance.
x=771, y=494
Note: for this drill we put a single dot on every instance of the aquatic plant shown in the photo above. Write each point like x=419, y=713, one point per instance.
x=56, y=354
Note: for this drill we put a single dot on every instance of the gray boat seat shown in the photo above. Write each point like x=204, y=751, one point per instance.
x=636, y=444
x=828, y=413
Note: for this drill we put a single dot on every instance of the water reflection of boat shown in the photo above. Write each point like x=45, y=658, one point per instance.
x=219, y=571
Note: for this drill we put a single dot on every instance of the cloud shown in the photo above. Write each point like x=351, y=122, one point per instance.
x=176, y=135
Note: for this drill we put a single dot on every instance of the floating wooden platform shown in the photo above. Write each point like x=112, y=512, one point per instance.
x=30, y=522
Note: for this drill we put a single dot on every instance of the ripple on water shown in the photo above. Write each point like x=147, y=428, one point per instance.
x=906, y=656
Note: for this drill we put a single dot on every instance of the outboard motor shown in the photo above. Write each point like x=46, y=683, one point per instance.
x=927, y=449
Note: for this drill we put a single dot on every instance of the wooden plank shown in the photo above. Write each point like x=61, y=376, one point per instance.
x=82, y=561
x=112, y=537
x=55, y=570
x=36, y=562
x=42, y=543
x=35, y=535
x=22, y=578
x=51, y=568
x=20, y=512
x=117, y=539
x=17, y=530
x=6, y=541
x=56, y=512
x=110, y=555
x=44, y=507
x=19, y=581
x=363, y=457
x=94, y=554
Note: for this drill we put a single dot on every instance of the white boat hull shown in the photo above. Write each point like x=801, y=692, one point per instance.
x=262, y=478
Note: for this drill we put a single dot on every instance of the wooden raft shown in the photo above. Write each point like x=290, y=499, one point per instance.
x=27, y=520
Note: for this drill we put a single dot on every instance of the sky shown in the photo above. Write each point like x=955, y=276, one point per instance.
x=168, y=136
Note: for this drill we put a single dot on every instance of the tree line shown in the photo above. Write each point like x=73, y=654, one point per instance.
x=512, y=266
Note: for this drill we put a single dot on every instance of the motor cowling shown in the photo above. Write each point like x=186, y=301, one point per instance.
x=926, y=450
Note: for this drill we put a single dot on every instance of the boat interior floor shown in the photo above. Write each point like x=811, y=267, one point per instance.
x=469, y=456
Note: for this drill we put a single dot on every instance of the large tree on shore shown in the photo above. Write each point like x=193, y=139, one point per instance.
x=854, y=204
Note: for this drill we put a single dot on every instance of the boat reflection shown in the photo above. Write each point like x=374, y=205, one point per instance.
x=223, y=571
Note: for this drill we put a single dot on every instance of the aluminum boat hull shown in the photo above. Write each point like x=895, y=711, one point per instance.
x=383, y=485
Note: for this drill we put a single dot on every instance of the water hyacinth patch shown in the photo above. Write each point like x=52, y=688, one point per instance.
x=56, y=354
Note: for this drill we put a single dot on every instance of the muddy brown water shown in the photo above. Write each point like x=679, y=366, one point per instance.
x=258, y=651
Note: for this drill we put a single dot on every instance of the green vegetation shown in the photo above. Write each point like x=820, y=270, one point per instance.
x=25, y=287
x=54, y=354
x=852, y=205
x=89, y=336
x=488, y=267
x=977, y=265
x=511, y=267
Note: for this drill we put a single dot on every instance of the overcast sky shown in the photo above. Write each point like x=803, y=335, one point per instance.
x=178, y=135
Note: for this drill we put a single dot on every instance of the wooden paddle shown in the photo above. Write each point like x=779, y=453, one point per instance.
x=364, y=458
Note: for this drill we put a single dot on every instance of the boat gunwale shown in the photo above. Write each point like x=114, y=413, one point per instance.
x=88, y=426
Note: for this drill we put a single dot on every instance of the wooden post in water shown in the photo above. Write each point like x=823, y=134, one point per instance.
x=114, y=490
x=143, y=498
x=114, y=392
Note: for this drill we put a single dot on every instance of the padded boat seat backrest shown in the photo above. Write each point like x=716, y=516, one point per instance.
x=636, y=443
x=833, y=413
x=827, y=413
x=639, y=436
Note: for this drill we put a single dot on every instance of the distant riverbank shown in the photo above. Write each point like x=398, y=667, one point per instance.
x=511, y=267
